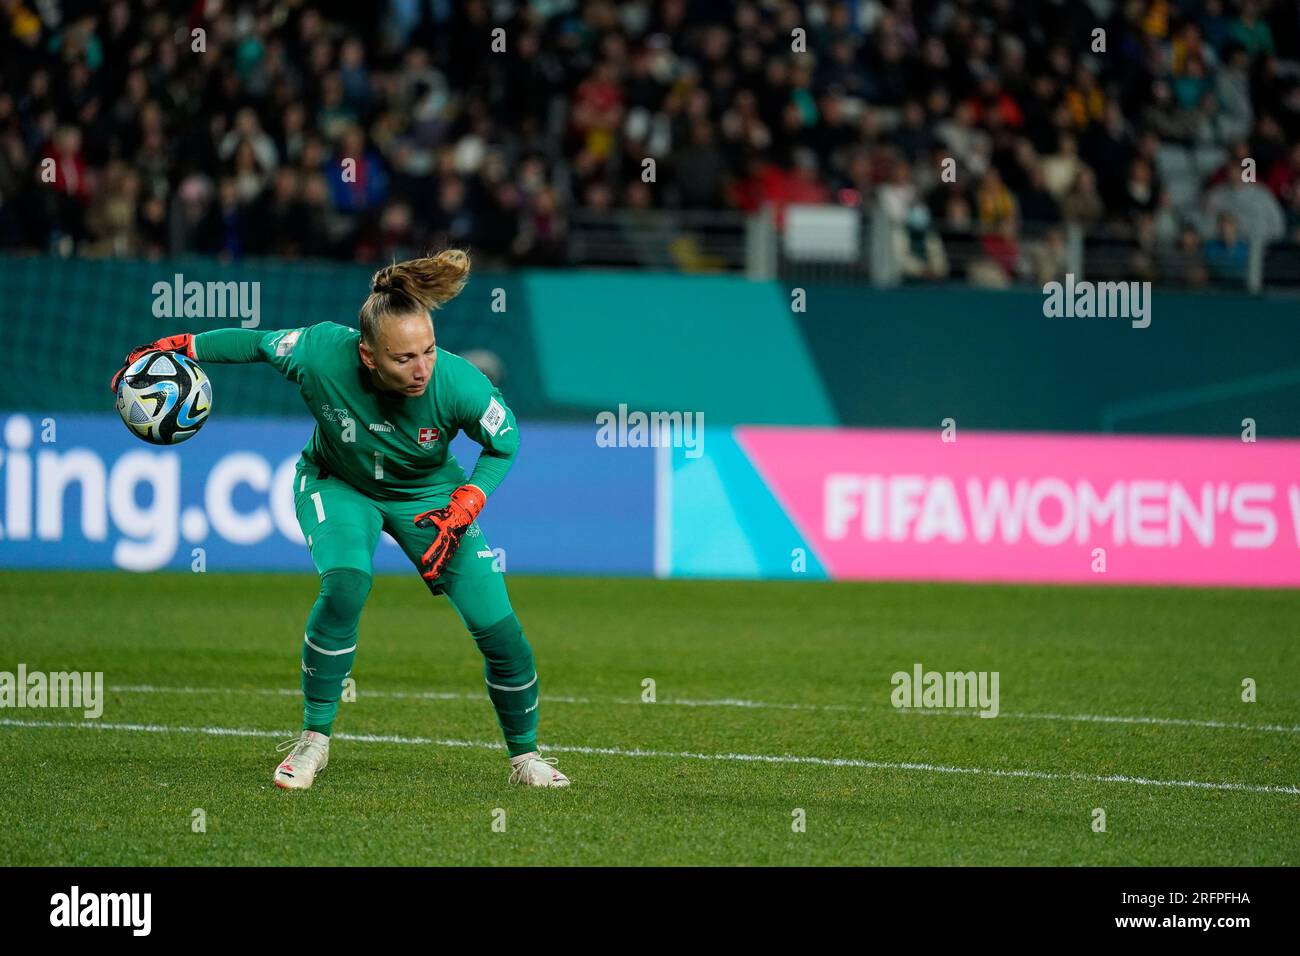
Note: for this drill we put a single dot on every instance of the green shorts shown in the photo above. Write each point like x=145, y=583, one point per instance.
x=342, y=526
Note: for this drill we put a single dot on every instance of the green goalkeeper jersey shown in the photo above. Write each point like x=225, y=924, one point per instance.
x=385, y=445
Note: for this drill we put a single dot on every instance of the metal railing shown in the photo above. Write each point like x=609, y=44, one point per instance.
x=677, y=240
x=873, y=249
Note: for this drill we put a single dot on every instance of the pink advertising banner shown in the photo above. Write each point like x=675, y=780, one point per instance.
x=1037, y=507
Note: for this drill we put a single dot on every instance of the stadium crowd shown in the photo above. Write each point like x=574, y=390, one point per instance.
x=150, y=128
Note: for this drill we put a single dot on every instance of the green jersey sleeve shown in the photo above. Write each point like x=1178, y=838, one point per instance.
x=482, y=414
x=288, y=350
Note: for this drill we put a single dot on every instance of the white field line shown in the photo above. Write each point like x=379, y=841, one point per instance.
x=733, y=702
x=679, y=754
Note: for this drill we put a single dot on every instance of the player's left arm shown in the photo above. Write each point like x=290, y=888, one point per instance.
x=478, y=410
x=483, y=415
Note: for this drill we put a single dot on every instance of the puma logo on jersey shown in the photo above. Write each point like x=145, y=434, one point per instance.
x=387, y=426
x=504, y=430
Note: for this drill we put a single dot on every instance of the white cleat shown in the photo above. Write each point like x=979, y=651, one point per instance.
x=310, y=754
x=534, y=770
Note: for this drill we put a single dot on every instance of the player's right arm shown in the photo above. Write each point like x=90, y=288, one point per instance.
x=278, y=347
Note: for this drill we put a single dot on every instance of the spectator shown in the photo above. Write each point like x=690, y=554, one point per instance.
x=248, y=129
x=1226, y=254
x=1251, y=32
x=358, y=179
x=224, y=232
x=1036, y=204
x=700, y=170
x=1141, y=192
x=995, y=203
x=585, y=92
x=1082, y=206
x=279, y=219
x=1183, y=263
x=1061, y=169
x=1251, y=207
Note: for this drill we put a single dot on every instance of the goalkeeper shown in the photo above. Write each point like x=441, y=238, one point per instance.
x=387, y=402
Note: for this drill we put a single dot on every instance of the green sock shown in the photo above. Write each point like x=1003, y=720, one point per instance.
x=330, y=645
x=318, y=715
x=512, y=683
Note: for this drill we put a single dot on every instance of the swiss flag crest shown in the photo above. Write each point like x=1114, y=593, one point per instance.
x=427, y=437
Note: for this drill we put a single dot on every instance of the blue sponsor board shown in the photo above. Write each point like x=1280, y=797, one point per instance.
x=79, y=491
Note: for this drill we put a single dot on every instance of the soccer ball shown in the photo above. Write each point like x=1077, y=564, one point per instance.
x=164, y=397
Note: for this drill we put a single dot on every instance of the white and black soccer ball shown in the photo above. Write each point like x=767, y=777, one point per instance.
x=164, y=397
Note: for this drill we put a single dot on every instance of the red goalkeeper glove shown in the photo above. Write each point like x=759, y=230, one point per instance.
x=451, y=523
x=172, y=343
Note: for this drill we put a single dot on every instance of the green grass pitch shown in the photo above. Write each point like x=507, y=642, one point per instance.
x=1123, y=699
